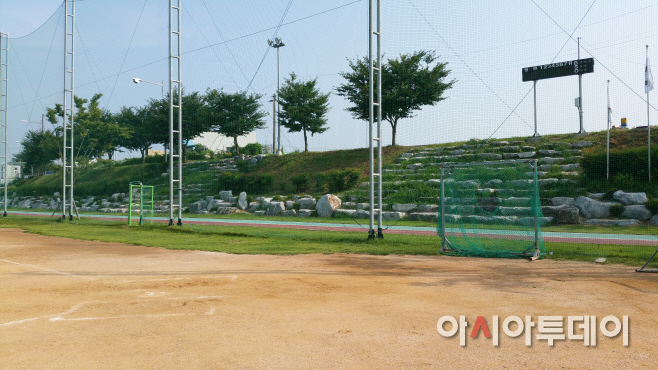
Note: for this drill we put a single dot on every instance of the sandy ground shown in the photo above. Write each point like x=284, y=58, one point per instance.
x=67, y=304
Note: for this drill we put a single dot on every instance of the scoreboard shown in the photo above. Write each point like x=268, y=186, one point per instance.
x=573, y=67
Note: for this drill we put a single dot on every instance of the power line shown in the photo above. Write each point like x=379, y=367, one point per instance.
x=556, y=55
x=125, y=55
x=276, y=32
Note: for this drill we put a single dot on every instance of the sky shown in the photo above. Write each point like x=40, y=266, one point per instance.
x=224, y=45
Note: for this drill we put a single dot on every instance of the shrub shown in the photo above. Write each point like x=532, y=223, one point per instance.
x=616, y=210
x=300, y=182
x=252, y=184
x=652, y=205
x=338, y=180
x=252, y=149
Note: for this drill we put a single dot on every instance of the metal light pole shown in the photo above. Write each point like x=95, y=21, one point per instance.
x=580, y=95
x=138, y=80
x=274, y=117
x=277, y=43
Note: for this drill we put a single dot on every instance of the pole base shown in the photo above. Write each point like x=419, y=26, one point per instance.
x=371, y=234
x=581, y=133
x=71, y=217
x=171, y=222
x=63, y=217
x=380, y=234
x=180, y=222
x=4, y=214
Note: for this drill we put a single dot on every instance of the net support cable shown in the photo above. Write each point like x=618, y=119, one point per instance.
x=175, y=113
x=375, y=101
x=4, y=162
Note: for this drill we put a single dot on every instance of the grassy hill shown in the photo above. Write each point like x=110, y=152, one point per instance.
x=317, y=172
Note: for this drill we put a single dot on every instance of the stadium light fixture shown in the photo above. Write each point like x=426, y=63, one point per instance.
x=138, y=80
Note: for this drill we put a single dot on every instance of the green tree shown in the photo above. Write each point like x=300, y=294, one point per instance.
x=234, y=115
x=96, y=132
x=137, y=122
x=408, y=84
x=303, y=107
x=195, y=118
x=38, y=149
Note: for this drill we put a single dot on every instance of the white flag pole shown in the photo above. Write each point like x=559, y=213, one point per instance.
x=607, y=146
x=648, y=86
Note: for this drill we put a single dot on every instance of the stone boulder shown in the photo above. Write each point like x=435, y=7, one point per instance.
x=226, y=210
x=392, y=216
x=254, y=206
x=275, y=208
x=600, y=222
x=306, y=203
x=592, y=208
x=567, y=215
x=305, y=213
x=558, y=201
x=582, y=144
x=242, y=201
x=404, y=207
x=225, y=195
x=327, y=205
x=427, y=216
x=525, y=155
x=630, y=198
x=288, y=213
x=492, y=156
x=638, y=212
x=198, y=206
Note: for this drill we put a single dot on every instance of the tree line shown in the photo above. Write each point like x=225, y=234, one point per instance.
x=408, y=83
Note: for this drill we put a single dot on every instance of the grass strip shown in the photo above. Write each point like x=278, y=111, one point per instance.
x=255, y=240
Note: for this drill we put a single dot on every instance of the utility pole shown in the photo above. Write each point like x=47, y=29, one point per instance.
x=274, y=118
x=580, y=95
x=277, y=43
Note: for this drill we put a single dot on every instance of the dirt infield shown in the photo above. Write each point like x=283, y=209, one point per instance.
x=79, y=305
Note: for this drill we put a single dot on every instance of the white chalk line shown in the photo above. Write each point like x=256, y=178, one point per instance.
x=233, y=278
x=59, y=316
x=45, y=269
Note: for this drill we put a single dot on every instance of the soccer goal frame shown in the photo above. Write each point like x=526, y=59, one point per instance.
x=532, y=252
x=644, y=269
x=144, y=204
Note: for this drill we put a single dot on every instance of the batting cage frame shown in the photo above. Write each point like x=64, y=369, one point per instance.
x=145, y=202
x=532, y=251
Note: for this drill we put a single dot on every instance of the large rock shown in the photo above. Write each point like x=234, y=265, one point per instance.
x=582, y=144
x=428, y=216
x=525, y=155
x=428, y=208
x=225, y=195
x=493, y=156
x=254, y=206
x=638, y=212
x=305, y=213
x=213, y=204
x=600, y=222
x=404, y=207
x=198, y=206
x=592, y=208
x=530, y=221
x=288, y=213
x=549, y=160
x=558, y=201
x=344, y=212
x=629, y=198
x=226, y=210
x=654, y=220
x=275, y=208
x=242, y=203
x=392, y=216
x=327, y=205
x=567, y=215
x=306, y=203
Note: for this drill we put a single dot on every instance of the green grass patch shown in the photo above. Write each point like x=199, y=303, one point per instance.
x=254, y=240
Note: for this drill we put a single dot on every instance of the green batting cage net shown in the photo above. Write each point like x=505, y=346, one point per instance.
x=491, y=209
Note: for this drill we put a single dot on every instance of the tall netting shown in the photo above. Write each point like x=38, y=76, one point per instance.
x=452, y=93
x=491, y=209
